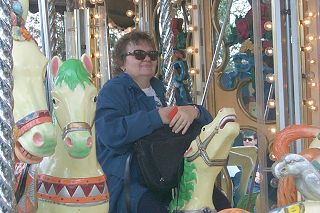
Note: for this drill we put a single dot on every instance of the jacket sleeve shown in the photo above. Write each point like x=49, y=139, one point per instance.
x=116, y=126
x=205, y=116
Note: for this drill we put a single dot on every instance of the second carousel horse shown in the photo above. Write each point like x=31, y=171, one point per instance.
x=203, y=162
x=71, y=180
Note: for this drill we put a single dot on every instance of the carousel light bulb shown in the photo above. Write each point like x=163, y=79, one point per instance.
x=129, y=13
x=136, y=1
x=98, y=75
x=268, y=26
x=268, y=51
x=129, y=29
x=192, y=50
x=191, y=28
x=193, y=71
x=313, y=108
x=93, y=1
x=97, y=16
x=110, y=25
x=308, y=47
x=309, y=102
x=273, y=130
x=307, y=21
x=97, y=55
x=312, y=84
x=100, y=1
x=310, y=37
x=271, y=103
x=270, y=78
x=309, y=14
x=136, y=19
x=312, y=61
x=191, y=6
x=96, y=35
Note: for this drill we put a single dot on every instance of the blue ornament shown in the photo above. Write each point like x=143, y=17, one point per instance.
x=17, y=8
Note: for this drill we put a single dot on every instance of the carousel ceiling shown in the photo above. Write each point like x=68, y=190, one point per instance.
x=116, y=10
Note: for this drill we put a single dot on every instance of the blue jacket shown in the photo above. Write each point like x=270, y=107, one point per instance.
x=124, y=114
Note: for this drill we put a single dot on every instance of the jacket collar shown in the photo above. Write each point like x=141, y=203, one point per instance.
x=155, y=83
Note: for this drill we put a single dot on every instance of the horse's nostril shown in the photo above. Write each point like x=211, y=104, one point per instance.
x=89, y=142
x=37, y=139
x=68, y=142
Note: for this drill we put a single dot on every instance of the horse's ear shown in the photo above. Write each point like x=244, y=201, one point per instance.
x=55, y=64
x=86, y=61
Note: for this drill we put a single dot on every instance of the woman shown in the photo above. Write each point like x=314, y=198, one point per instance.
x=129, y=107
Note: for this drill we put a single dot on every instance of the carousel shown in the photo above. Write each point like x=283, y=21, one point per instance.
x=251, y=62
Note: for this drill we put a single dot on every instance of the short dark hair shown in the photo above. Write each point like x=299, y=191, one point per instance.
x=249, y=133
x=120, y=48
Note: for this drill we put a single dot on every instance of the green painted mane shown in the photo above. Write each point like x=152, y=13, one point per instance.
x=186, y=187
x=72, y=72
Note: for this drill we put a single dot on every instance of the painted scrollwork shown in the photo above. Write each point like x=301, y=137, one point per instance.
x=237, y=67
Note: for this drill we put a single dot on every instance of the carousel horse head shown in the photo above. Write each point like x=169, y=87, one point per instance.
x=215, y=140
x=305, y=168
x=34, y=134
x=290, y=164
x=74, y=102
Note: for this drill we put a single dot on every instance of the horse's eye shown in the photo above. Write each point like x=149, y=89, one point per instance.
x=55, y=101
x=95, y=99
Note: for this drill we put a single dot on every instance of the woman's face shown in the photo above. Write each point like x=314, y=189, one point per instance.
x=139, y=70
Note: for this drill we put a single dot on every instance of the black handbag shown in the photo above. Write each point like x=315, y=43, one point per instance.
x=160, y=156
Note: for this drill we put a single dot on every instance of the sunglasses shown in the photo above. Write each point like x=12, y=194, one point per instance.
x=141, y=54
x=248, y=139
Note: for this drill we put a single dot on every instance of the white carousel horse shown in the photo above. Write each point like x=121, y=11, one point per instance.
x=306, y=174
x=71, y=180
x=203, y=161
x=34, y=134
x=303, y=167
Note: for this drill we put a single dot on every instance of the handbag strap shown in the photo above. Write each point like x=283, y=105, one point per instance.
x=127, y=188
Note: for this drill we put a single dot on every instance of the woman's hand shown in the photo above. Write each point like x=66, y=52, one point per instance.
x=164, y=112
x=183, y=118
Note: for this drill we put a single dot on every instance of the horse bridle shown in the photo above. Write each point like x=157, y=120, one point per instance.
x=33, y=119
x=75, y=126
x=202, y=151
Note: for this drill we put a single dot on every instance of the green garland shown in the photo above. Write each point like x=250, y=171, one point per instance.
x=187, y=182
